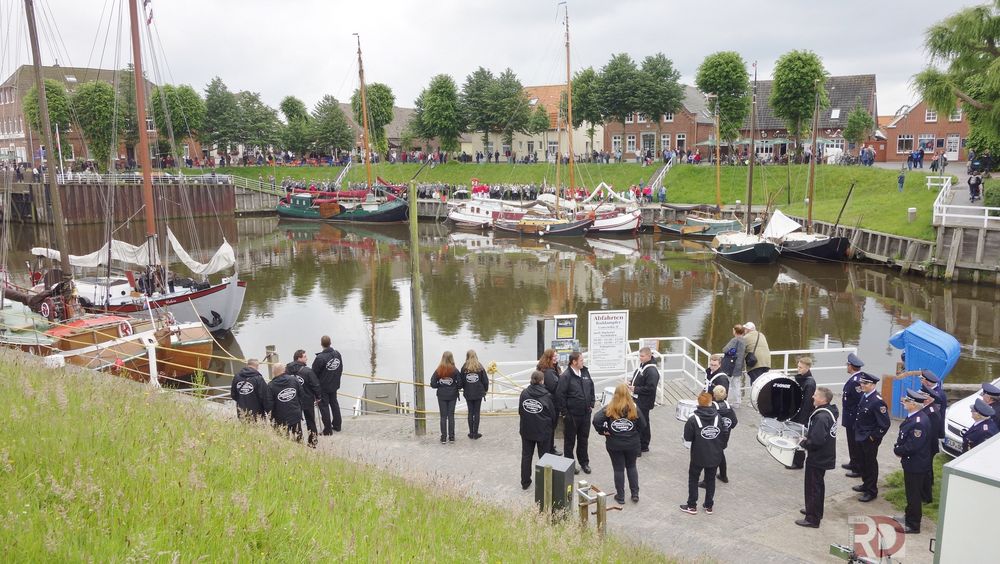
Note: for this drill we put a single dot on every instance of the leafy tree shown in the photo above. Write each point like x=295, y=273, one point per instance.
x=93, y=105
x=660, y=91
x=617, y=88
x=380, y=101
x=185, y=109
x=293, y=108
x=724, y=74
x=328, y=127
x=295, y=135
x=586, y=105
x=59, y=110
x=258, y=126
x=221, y=116
x=859, y=124
x=508, y=103
x=127, y=110
x=475, y=102
x=797, y=76
x=438, y=113
x=540, y=124
x=968, y=42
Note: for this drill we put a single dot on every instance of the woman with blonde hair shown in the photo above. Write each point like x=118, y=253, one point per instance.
x=622, y=423
x=475, y=384
x=447, y=380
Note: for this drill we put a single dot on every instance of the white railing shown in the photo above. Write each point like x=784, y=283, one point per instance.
x=658, y=179
x=135, y=178
x=946, y=213
x=343, y=174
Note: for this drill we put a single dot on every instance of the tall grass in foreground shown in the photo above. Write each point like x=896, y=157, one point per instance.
x=896, y=491
x=95, y=468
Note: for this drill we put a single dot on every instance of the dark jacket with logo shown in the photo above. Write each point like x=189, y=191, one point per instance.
x=704, y=431
x=328, y=367
x=287, y=393
x=249, y=391
x=309, y=382
x=728, y=420
x=821, y=438
x=551, y=380
x=911, y=446
x=873, y=419
x=851, y=398
x=644, y=383
x=475, y=384
x=447, y=386
x=808, y=385
x=623, y=433
x=575, y=394
x=713, y=379
x=537, y=413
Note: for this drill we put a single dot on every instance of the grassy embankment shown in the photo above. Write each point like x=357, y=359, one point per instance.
x=896, y=492
x=875, y=204
x=97, y=468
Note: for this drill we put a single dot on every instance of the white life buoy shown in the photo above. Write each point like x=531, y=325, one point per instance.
x=125, y=329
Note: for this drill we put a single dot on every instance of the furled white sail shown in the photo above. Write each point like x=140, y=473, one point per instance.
x=779, y=226
x=223, y=258
x=120, y=251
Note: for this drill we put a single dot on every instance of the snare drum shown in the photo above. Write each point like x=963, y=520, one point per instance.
x=782, y=449
x=794, y=431
x=776, y=396
x=685, y=408
x=606, y=396
x=769, y=428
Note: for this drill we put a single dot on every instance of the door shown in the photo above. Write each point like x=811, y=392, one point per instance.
x=649, y=142
x=951, y=147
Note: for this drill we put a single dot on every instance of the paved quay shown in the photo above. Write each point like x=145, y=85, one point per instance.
x=754, y=513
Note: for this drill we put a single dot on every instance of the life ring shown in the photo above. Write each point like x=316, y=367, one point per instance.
x=125, y=329
x=169, y=319
x=46, y=308
x=36, y=277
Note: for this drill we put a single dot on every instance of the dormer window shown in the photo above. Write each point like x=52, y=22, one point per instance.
x=835, y=113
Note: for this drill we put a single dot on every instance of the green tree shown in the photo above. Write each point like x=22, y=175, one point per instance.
x=127, y=110
x=58, y=102
x=660, y=91
x=438, y=113
x=258, y=125
x=475, y=103
x=724, y=75
x=328, y=127
x=184, y=107
x=859, y=124
x=93, y=105
x=540, y=125
x=380, y=101
x=586, y=105
x=617, y=88
x=221, y=116
x=293, y=108
x=797, y=76
x=508, y=103
x=968, y=44
x=295, y=135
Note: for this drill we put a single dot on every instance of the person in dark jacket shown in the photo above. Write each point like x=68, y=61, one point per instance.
x=871, y=426
x=447, y=380
x=575, y=400
x=849, y=401
x=548, y=364
x=807, y=384
x=935, y=416
x=643, y=385
x=310, y=392
x=703, y=435
x=734, y=354
x=249, y=391
x=328, y=367
x=820, y=441
x=729, y=422
x=983, y=427
x=715, y=375
x=991, y=395
x=622, y=422
x=911, y=448
x=287, y=411
x=475, y=383
x=538, y=416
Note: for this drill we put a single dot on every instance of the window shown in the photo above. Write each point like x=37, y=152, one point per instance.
x=531, y=147
x=956, y=115
x=904, y=144
x=187, y=151
x=630, y=118
x=834, y=143
x=505, y=149
x=149, y=124
x=489, y=148
x=665, y=141
x=930, y=116
x=681, y=143
x=630, y=143
x=926, y=141
x=835, y=113
x=642, y=118
x=667, y=118
x=554, y=146
x=616, y=143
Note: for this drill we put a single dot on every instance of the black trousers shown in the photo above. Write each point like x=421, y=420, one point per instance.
x=329, y=412
x=722, y=466
x=560, y=429
x=447, y=409
x=309, y=413
x=694, y=473
x=853, y=450
x=292, y=430
x=528, y=448
x=623, y=461
x=576, y=433
x=474, y=406
x=913, y=482
x=645, y=434
x=927, y=487
x=815, y=491
x=869, y=465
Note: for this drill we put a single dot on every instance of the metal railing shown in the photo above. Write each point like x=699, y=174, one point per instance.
x=135, y=178
x=946, y=213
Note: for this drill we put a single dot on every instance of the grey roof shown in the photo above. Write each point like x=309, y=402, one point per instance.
x=844, y=93
x=24, y=78
x=400, y=118
x=694, y=102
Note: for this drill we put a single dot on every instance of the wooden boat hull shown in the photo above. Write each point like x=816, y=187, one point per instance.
x=394, y=211
x=758, y=253
x=700, y=230
x=831, y=249
x=545, y=229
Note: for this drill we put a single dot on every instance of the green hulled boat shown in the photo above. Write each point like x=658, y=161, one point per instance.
x=316, y=208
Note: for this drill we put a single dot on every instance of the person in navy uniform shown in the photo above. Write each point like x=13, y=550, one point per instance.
x=849, y=401
x=991, y=395
x=983, y=428
x=871, y=425
x=575, y=398
x=932, y=409
x=820, y=441
x=643, y=386
x=911, y=447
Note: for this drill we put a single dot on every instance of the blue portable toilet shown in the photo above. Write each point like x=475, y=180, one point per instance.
x=926, y=348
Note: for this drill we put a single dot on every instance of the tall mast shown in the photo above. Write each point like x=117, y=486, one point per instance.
x=812, y=161
x=753, y=132
x=364, y=114
x=718, y=163
x=569, y=109
x=58, y=221
x=140, y=109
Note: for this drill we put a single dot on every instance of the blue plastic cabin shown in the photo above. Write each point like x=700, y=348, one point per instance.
x=926, y=348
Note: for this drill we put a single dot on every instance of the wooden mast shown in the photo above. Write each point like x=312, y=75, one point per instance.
x=569, y=111
x=718, y=162
x=364, y=115
x=140, y=108
x=812, y=161
x=753, y=118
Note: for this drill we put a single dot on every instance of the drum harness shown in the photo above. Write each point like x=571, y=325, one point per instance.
x=697, y=420
x=817, y=410
x=708, y=385
x=638, y=371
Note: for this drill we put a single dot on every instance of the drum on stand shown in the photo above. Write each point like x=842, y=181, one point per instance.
x=782, y=449
x=776, y=396
x=769, y=428
x=685, y=408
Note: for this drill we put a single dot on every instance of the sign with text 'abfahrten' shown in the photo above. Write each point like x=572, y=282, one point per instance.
x=607, y=333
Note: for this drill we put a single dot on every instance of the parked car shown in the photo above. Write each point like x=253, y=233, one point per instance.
x=957, y=420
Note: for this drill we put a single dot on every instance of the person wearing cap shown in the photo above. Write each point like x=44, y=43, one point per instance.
x=870, y=427
x=911, y=447
x=756, y=343
x=983, y=428
x=991, y=395
x=936, y=417
x=849, y=401
x=930, y=384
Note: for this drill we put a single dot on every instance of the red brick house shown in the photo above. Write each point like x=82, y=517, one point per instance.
x=919, y=126
x=683, y=130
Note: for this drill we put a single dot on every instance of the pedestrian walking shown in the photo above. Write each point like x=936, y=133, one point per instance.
x=447, y=380
x=475, y=384
x=622, y=423
x=575, y=400
x=537, y=414
x=702, y=435
x=820, y=442
x=901, y=179
x=249, y=391
x=643, y=385
x=328, y=367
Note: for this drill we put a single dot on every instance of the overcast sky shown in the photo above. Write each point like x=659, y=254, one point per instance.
x=306, y=48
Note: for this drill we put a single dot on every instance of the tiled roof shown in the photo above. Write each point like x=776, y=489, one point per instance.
x=71, y=77
x=844, y=93
x=547, y=96
x=695, y=103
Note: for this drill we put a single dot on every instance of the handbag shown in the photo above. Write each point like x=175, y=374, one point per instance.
x=751, y=359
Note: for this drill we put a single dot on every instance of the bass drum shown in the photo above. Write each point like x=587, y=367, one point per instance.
x=776, y=395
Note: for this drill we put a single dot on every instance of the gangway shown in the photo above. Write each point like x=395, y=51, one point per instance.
x=343, y=174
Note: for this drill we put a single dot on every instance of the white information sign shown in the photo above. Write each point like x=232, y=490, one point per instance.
x=607, y=334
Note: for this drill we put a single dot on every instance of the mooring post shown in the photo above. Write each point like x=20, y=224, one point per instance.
x=547, y=490
x=416, y=319
x=271, y=359
x=602, y=513
x=583, y=505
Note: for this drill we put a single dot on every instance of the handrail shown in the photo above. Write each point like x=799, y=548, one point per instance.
x=118, y=178
x=943, y=211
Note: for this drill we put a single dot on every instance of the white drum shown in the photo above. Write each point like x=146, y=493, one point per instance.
x=776, y=395
x=685, y=408
x=782, y=449
x=769, y=428
x=793, y=430
x=606, y=396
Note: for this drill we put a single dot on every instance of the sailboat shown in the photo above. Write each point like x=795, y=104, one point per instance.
x=372, y=209
x=745, y=246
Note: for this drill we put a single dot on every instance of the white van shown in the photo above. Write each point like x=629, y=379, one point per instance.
x=957, y=420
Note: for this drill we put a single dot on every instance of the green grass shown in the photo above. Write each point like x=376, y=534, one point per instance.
x=896, y=492
x=97, y=468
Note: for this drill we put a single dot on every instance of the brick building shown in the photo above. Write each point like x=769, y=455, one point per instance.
x=690, y=125
x=919, y=126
